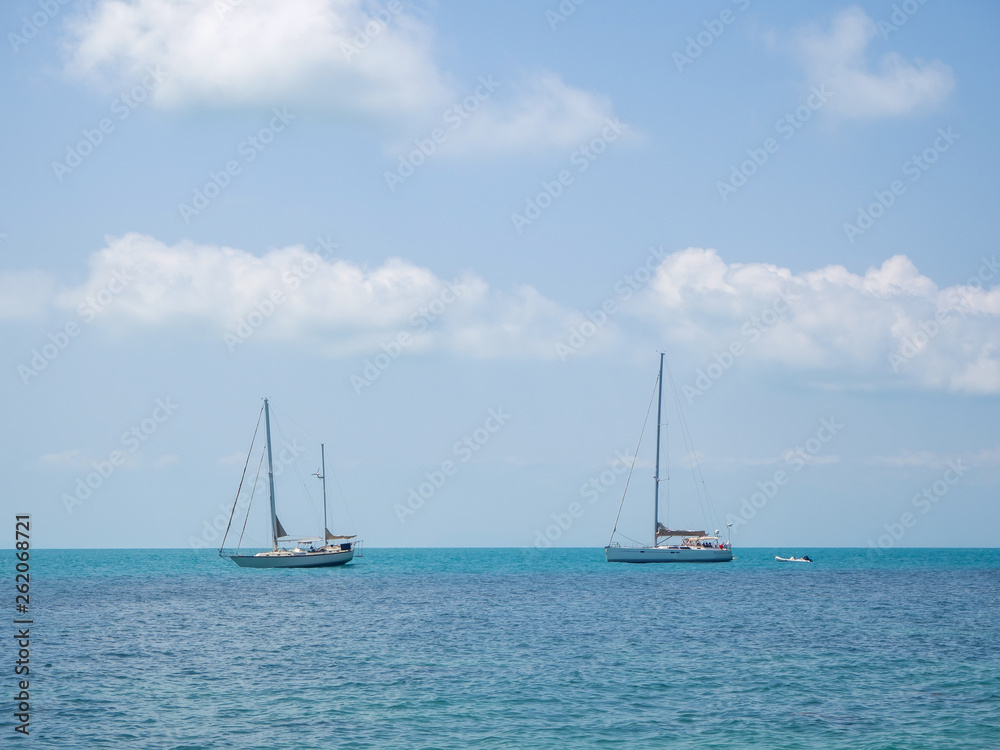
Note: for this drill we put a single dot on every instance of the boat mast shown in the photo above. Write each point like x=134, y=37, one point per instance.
x=322, y=454
x=270, y=478
x=656, y=476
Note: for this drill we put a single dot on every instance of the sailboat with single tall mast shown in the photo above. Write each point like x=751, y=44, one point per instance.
x=333, y=550
x=695, y=546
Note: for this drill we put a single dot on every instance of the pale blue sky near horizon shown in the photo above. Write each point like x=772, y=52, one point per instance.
x=884, y=333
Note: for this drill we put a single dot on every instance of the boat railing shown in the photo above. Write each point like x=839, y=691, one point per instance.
x=241, y=551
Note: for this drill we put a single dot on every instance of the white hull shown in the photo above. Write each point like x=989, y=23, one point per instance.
x=294, y=559
x=667, y=554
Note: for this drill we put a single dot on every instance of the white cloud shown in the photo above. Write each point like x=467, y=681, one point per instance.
x=929, y=459
x=804, y=458
x=23, y=294
x=907, y=458
x=544, y=113
x=331, y=304
x=898, y=87
x=70, y=460
x=261, y=52
x=344, y=56
x=886, y=328
x=890, y=325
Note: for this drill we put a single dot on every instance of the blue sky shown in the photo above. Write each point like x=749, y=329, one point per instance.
x=507, y=207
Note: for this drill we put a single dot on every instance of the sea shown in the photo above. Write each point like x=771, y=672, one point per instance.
x=509, y=648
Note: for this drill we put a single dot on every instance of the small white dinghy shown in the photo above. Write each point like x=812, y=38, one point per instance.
x=804, y=558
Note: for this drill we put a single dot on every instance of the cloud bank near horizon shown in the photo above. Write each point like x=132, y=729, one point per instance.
x=888, y=327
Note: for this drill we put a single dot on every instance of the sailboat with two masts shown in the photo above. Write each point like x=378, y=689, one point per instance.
x=333, y=549
x=694, y=546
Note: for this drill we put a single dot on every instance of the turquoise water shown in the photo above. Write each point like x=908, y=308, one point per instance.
x=481, y=648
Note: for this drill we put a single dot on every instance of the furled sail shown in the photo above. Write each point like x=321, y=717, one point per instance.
x=330, y=536
x=281, y=529
x=662, y=530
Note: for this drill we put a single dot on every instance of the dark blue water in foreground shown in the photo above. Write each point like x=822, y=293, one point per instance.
x=510, y=648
